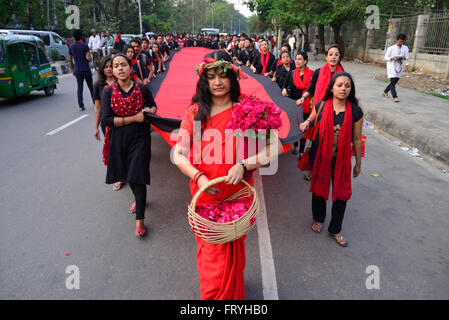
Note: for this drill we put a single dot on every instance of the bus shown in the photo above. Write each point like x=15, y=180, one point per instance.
x=209, y=31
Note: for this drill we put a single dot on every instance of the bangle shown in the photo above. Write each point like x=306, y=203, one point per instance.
x=123, y=121
x=197, y=176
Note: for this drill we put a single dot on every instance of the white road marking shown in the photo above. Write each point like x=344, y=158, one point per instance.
x=66, y=125
x=269, y=284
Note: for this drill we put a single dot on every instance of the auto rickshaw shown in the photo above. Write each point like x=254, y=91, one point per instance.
x=24, y=66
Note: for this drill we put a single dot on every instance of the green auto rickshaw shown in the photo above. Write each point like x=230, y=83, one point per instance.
x=24, y=66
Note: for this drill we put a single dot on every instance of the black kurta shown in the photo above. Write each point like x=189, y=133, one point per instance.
x=130, y=145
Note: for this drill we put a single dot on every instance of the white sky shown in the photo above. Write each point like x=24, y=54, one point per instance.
x=238, y=4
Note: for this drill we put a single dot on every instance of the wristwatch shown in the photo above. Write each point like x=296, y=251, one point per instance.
x=242, y=164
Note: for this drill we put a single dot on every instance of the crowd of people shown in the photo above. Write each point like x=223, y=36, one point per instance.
x=326, y=96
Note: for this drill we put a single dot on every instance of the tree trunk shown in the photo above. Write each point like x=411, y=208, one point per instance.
x=321, y=35
x=336, y=28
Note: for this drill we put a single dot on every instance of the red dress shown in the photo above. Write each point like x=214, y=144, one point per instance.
x=220, y=266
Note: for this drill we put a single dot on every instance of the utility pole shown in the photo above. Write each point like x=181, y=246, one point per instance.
x=212, y=15
x=193, y=20
x=48, y=15
x=140, y=17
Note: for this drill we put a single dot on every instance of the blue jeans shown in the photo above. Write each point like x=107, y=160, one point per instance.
x=80, y=77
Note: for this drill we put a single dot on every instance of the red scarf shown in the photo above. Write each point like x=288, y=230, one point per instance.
x=323, y=81
x=264, y=59
x=302, y=85
x=322, y=169
x=123, y=107
x=117, y=38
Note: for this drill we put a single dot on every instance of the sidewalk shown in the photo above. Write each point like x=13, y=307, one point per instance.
x=420, y=120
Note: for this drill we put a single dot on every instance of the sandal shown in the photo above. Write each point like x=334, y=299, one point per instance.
x=117, y=186
x=316, y=227
x=307, y=178
x=295, y=150
x=386, y=95
x=140, y=231
x=132, y=209
x=341, y=241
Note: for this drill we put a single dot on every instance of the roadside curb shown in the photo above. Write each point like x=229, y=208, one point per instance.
x=59, y=69
x=426, y=140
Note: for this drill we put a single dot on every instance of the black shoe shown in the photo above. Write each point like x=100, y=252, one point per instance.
x=82, y=109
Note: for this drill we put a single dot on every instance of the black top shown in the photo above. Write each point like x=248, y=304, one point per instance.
x=78, y=51
x=119, y=45
x=141, y=72
x=312, y=86
x=163, y=48
x=289, y=84
x=130, y=145
x=189, y=43
x=258, y=64
x=281, y=73
x=98, y=89
x=244, y=56
x=357, y=114
x=173, y=45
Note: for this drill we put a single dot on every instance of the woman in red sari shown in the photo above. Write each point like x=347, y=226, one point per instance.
x=220, y=266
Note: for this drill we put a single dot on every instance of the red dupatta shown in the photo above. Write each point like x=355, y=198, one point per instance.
x=322, y=169
x=323, y=81
x=123, y=107
x=301, y=84
x=264, y=59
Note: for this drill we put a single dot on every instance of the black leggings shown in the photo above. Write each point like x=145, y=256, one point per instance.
x=140, y=194
x=392, y=86
x=338, y=209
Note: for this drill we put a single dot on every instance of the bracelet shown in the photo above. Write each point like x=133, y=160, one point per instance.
x=197, y=176
x=243, y=165
x=123, y=121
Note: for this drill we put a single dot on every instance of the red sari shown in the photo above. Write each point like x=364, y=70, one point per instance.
x=220, y=266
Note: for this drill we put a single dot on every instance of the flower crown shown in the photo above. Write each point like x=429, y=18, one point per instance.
x=218, y=66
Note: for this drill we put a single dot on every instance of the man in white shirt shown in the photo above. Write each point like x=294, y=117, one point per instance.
x=95, y=45
x=395, y=56
x=291, y=41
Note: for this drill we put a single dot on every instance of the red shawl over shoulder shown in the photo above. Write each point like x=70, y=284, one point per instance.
x=322, y=169
x=323, y=81
x=220, y=266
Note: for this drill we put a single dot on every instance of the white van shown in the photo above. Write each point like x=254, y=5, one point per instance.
x=51, y=40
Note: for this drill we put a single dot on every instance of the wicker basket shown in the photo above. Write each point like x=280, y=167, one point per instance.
x=218, y=233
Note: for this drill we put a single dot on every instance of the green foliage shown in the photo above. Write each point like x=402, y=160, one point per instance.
x=54, y=55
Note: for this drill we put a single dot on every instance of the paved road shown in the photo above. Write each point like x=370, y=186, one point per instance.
x=53, y=200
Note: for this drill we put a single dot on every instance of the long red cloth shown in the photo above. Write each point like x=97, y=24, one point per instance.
x=264, y=59
x=323, y=81
x=322, y=167
x=179, y=85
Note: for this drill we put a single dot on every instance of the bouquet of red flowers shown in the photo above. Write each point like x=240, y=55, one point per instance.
x=253, y=115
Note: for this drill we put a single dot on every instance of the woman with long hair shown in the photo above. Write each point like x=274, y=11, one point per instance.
x=139, y=72
x=295, y=84
x=105, y=77
x=220, y=266
x=322, y=76
x=127, y=145
x=157, y=59
x=339, y=124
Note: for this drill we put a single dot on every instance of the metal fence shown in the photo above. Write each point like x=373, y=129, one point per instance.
x=408, y=27
x=437, y=35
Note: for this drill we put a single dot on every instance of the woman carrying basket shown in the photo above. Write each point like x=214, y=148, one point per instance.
x=338, y=124
x=220, y=266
